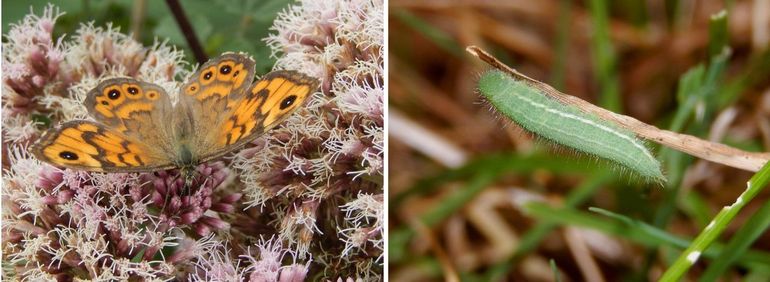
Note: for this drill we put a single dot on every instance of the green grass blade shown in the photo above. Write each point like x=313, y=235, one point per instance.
x=718, y=225
x=555, y=270
x=718, y=34
x=604, y=58
x=634, y=230
x=442, y=39
x=739, y=243
x=562, y=45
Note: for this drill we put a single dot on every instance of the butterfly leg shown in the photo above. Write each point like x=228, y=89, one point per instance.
x=188, y=174
x=172, y=190
x=166, y=198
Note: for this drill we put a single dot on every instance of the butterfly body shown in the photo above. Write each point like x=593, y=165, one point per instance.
x=136, y=128
x=185, y=157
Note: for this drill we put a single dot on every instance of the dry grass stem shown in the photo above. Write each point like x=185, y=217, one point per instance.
x=450, y=273
x=582, y=255
x=711, y=151
x=760, y=24
x=424, y=141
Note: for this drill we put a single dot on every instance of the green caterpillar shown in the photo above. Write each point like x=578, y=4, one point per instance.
x=567, y=125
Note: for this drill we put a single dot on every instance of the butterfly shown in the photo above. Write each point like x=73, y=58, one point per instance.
x=137, y=129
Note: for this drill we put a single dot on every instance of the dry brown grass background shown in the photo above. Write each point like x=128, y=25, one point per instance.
x=432, y=97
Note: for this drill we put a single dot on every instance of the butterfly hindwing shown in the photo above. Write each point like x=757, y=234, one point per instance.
x=270, y=101
x=92, y=146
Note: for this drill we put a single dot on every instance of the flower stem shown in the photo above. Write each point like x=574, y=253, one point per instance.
x=187, y=30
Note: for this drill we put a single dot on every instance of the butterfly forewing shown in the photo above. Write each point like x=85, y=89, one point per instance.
x=137, y=109
x=203, y=101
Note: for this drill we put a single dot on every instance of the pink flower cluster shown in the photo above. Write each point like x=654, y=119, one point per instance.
x=187, y=208
x=74, y=225
x=310, y=177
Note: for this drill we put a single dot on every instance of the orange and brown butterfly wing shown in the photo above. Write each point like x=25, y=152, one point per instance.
x=131, y=132
x=222, y=79
x=91, y=146
x=270, y=101
x=203, y=101
x=227, y=76
x=137, y=109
